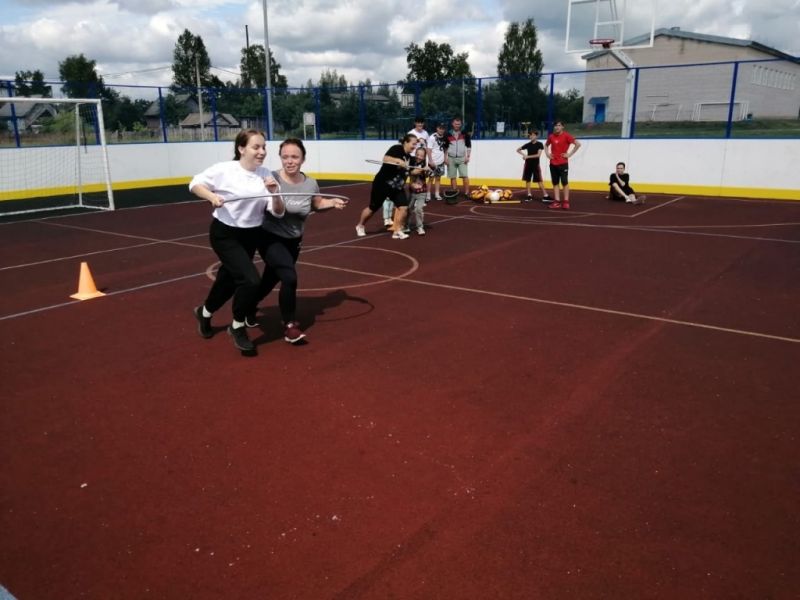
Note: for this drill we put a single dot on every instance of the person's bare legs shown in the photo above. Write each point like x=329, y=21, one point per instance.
x=400, y=216
x=366, y=214
x=466, y=185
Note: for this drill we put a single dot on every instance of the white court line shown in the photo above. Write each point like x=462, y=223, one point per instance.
x=383, y=278
x=656, y=207
x=650, y=228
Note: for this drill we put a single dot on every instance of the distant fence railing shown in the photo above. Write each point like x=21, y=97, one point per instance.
x=747, y=98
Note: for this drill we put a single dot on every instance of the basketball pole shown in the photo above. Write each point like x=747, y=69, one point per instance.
x=268, y=83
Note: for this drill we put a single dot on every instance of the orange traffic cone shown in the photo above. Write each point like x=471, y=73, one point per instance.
x=86, y=288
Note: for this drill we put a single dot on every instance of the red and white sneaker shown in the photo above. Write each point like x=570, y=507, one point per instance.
x=292, y=332
x=554, y=205
x=565, y=205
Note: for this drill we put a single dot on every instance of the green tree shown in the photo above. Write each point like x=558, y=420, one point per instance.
x=253, y=69
x=80, y=78
x=519, y=54
x=31, y=83
x=520, y=64
x=188, y=57
x=435, y=62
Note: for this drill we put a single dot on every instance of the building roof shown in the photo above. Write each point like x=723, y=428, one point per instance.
x=677, y=32
x=23, y=109
x=193, y=119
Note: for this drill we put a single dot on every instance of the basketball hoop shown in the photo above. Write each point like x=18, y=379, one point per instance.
x=604, y=42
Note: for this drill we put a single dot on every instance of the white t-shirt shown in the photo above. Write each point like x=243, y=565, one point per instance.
x=230, y=180
x=436, y=146
x=422, y=136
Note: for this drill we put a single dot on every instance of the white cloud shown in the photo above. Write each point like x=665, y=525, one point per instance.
x=359, y=38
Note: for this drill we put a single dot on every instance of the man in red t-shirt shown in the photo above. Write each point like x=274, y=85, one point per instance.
x=559, y=147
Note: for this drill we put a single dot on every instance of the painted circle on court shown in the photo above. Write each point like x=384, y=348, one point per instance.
x=379, y=278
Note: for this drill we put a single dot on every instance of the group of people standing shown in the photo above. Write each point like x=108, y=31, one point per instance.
x=263, y=211
x=411, y=175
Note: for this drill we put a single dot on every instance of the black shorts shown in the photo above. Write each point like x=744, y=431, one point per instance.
x=559, y=174
x=532, y=171
x=626, y=189
x=380, y=191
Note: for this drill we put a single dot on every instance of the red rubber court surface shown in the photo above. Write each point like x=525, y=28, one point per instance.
x=524, y=403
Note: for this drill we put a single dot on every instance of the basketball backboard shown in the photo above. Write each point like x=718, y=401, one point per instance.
x=629, y=23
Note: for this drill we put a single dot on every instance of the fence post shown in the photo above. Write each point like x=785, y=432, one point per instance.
x=318, y=113
x=632, y=132
x=362, y=117
x=732, y=103
x=212, y=94
x=162, y=115
x=551, y=101
x=17, y=140
x=479, y=109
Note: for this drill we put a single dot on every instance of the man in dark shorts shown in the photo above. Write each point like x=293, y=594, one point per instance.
x=560, y=145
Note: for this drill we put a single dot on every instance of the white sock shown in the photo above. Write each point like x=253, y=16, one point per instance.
x=237, y=324
x=206, y=314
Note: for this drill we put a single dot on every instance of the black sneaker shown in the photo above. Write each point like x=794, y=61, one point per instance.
x=240, y=339
x=528, y=199
x=547, y=199
x=203, y=323
x=251, y=321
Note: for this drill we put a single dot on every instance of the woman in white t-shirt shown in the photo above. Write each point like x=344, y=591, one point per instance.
x=241, y=191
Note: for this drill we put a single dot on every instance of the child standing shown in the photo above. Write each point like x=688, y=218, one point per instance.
x=620, y=188
x=419, y=189
x=532, y=171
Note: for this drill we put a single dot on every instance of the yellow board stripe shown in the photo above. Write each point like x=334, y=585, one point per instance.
x=666, y=189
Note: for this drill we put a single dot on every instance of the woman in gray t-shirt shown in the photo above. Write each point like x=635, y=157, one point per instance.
x=282, y=238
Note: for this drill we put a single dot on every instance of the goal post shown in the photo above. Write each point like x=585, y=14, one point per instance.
x=53, y=155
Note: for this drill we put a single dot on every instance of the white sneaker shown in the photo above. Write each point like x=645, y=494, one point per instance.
x=388, y=222
x=438, y=197
x=399, y=235
x=420, y=231
x=360, y=231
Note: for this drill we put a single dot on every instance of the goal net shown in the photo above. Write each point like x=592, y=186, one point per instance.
x=53, y=155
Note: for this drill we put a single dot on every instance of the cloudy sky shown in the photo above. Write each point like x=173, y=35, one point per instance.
x=132, y=40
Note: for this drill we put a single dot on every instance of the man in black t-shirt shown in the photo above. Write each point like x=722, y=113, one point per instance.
x=620, y=188
x=532, y=171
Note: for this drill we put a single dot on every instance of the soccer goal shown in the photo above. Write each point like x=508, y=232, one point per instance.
x=53, y=155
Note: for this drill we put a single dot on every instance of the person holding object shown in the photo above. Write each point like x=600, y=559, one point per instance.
x=620, y=188
x=282, y=238
x=559, y=147
x=241, y=191
x=390, y=182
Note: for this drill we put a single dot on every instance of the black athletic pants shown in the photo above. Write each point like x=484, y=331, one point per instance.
x=237, y=276
x=280, y=255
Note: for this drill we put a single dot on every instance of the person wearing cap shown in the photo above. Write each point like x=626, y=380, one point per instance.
x=437, y=156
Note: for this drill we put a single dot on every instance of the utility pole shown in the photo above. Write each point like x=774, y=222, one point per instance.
x=268, y=85
x=199, y=96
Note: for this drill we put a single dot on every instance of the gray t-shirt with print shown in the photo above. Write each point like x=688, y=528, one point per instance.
x=297, y=207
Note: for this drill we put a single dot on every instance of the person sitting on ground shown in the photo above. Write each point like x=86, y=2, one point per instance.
x=620, y=188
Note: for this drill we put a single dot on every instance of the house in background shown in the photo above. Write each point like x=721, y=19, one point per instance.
x=700, y=92
x=224, y=122
x=28, y=116
x=152, y=115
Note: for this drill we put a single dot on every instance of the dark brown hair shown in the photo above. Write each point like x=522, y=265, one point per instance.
x=293, y=142
x=242, y=138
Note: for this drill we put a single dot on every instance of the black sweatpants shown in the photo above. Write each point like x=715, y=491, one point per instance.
x=280, y=255
x=237, y=276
